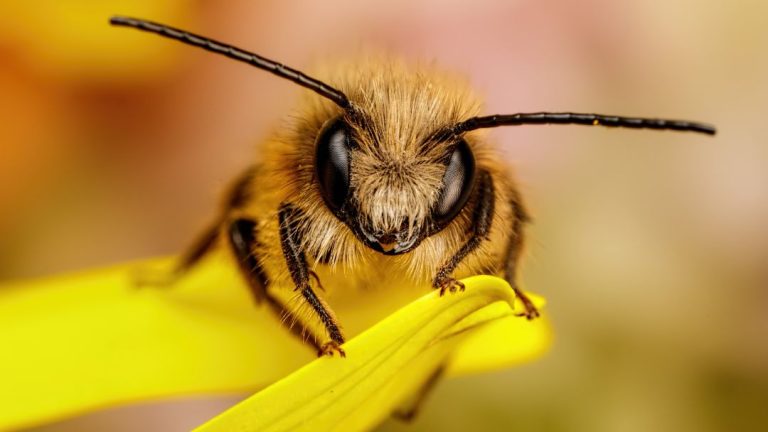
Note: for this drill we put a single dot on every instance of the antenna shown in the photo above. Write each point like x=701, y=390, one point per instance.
x=520, y=119
x=238, y=54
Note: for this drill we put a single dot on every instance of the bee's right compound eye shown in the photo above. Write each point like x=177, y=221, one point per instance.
x=332, y=163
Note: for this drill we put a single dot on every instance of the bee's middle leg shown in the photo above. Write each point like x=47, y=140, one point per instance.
x=512, y=257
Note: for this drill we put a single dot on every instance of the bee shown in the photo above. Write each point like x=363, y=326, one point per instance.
x=382, y=174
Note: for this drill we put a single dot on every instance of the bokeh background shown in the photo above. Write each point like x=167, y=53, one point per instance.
x=651, y=248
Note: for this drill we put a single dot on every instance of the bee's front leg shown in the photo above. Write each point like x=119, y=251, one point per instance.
x=481, y=227
x=290, y=239
x=242, y=239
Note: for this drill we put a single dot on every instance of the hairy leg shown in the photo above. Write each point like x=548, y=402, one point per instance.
x=238, y=195
x=481, y=226
x=512, y=257
x=243, y=242
x=290, y=239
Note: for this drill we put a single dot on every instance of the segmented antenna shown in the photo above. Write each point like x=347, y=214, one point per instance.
x=342, y=101
x=232, y=52
x=581, y=119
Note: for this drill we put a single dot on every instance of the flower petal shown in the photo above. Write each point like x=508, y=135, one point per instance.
x=384, y=364
x=83, y=342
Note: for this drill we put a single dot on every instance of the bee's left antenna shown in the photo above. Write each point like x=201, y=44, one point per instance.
x=568, y=118
x=232, y=52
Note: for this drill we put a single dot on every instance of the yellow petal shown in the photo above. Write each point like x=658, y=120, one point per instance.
x=78, y=343
x=384, y=365
x=502, y=343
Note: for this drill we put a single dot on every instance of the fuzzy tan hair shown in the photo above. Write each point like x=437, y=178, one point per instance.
x=396, y=169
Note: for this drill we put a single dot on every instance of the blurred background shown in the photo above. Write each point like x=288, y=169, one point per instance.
x=652, y=248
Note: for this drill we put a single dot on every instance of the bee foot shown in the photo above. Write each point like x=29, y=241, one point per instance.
x=531, y=311
x=452, y=285
x=329, y=348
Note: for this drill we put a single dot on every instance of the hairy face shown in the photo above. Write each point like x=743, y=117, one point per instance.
x=382, y=168
x=393, y=196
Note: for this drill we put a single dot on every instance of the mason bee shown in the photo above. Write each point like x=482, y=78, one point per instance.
x=381, y=174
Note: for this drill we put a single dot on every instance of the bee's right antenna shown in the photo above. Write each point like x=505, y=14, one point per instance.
x=230, y=51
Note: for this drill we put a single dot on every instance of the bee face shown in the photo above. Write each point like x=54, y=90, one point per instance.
x=382, y=169
x=391, y=200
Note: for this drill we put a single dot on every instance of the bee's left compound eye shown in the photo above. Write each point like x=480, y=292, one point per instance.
x=332, y=163
x=457, y=184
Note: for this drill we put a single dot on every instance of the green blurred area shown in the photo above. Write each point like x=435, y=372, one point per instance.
x=650, y=247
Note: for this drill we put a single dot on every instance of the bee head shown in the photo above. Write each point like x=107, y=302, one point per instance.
x=383, y=169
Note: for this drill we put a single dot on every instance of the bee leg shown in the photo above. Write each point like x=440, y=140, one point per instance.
x=237, y=196
x=481, y=226
x=512, y=257
x=297, y=266
x=242, y=240
x=412, y=407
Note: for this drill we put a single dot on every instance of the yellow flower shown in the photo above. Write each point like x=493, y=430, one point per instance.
x=78, y=343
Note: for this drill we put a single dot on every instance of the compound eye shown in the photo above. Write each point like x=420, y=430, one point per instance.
x=457, y=184
x=332, y=163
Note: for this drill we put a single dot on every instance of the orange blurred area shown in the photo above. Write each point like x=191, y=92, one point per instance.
x=650, y=247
